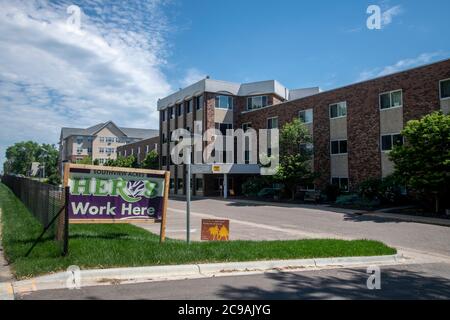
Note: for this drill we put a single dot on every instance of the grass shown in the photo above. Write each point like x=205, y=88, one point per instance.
x=120, y=245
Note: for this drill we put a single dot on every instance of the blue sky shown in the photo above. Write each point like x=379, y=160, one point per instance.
x=127, y=54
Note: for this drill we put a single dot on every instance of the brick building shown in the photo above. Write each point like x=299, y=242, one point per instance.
x=353, y=127
x=139, y=149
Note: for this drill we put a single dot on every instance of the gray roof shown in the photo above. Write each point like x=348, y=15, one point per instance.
x=129, y=132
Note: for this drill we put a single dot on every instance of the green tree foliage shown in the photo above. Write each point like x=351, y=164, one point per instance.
x=151, y=160
x=21, y=155
x=124, y=162
x=423, y=162
x=85, y=160
x=295, y=165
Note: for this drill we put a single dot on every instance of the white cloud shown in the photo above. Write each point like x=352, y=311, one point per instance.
x=192, y=76
x=389, y=14
x=53, y=75
x=400, y=65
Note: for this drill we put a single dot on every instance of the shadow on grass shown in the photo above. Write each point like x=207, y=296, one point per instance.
x=350, y=284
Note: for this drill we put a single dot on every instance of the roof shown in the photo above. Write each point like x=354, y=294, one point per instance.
x=129, y=132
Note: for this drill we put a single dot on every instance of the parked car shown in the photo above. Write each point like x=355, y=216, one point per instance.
x=270, y=193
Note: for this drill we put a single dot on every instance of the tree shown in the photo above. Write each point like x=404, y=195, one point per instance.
x=21, y=155
x=85, y=160
x=295, y=166
x=151, y=160
x=423, y=162
x=124, y=162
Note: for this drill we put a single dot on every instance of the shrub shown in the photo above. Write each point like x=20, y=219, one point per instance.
x=252, y=186
x=54, y=179
x=386, y=190
x=370, y=189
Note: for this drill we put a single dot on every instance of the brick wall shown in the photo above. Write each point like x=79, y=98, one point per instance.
x=420, y=96
x=135, y=147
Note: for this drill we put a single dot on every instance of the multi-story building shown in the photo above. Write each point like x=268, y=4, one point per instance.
x=98, y=142
x=353, y=127
x=138, y=149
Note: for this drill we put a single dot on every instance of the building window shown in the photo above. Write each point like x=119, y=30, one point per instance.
x=172, y=183
x=391, y=99
x=223, y=127
x=339, y=147
x=338, y=110
x=444, y=89
x=189, y=106
x=199, y=102
x=246, y=125
x=163, y=115
x=164, y=160
x=272, y=123
x=101, y=150
x=89, y=150
x=179, y=183
x=199, y=184
x=170, y=110
x=79, y=150
x=224, y=102
x=257, y=102
x=102, y=139
x=388, y=141
x=180, y=109
x=342, y=183
x=125, y=152
x=306, y=116
x=139, y=150
x=147, y=149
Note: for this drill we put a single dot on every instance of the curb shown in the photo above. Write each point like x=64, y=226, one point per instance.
x=6, y=291
x=97, y=277
x=408, y=218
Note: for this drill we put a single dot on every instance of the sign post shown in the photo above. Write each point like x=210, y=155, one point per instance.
x=188, y=198
x=99, y=194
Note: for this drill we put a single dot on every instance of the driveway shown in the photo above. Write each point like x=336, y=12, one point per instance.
x=261, y=221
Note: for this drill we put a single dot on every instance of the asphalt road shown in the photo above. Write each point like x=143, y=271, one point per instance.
x=252, y=221
x=428, y=281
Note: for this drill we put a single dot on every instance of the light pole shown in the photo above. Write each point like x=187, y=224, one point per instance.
x=188, y=196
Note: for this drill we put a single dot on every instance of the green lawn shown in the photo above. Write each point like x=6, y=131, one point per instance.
x=120, y=245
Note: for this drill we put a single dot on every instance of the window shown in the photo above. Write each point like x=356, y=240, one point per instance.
x=139, y=150
x=257, y=102
x=147, y=149
x=80, y=140
x=180, y=109
x=102, y=139
x=179, y=183
x=444, y=89
x=246, y=125
x=223, y=127
x=101, y=150
x=164, y=138
x=163, y=115
x=89, y=150
x=247, y=156
x=164, y=160
x=342, y=183
x=110, y=139
x=172, y=184
x=79, y=150
x=272, y=123
x=199, y=102
x=189, y=106
x=199, y=184
x=224, y=102
x=339, y=147
x=170, y=110
x=391, y=99
x=388, y=141
x=306, y=116
x=338, y=110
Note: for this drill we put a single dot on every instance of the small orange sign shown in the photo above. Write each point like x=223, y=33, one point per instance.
x=215, y=230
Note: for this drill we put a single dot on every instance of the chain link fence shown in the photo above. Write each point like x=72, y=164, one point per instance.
x=44, y=201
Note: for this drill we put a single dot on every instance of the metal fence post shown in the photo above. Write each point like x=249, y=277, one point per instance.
x=66, y=221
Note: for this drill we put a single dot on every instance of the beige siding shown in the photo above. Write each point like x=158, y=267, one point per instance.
x=391, y=120
x=223, y=116
x=387, y=166
x=445, y=106
x=338, y=128
x=339, y=166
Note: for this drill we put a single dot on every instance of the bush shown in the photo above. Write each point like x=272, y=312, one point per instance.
x=252, y=186
x=332, y=192
x=386, y=190
x=54, y=179
x=356, y=202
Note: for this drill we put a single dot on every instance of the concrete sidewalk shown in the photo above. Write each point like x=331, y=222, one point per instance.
x=6, y=292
